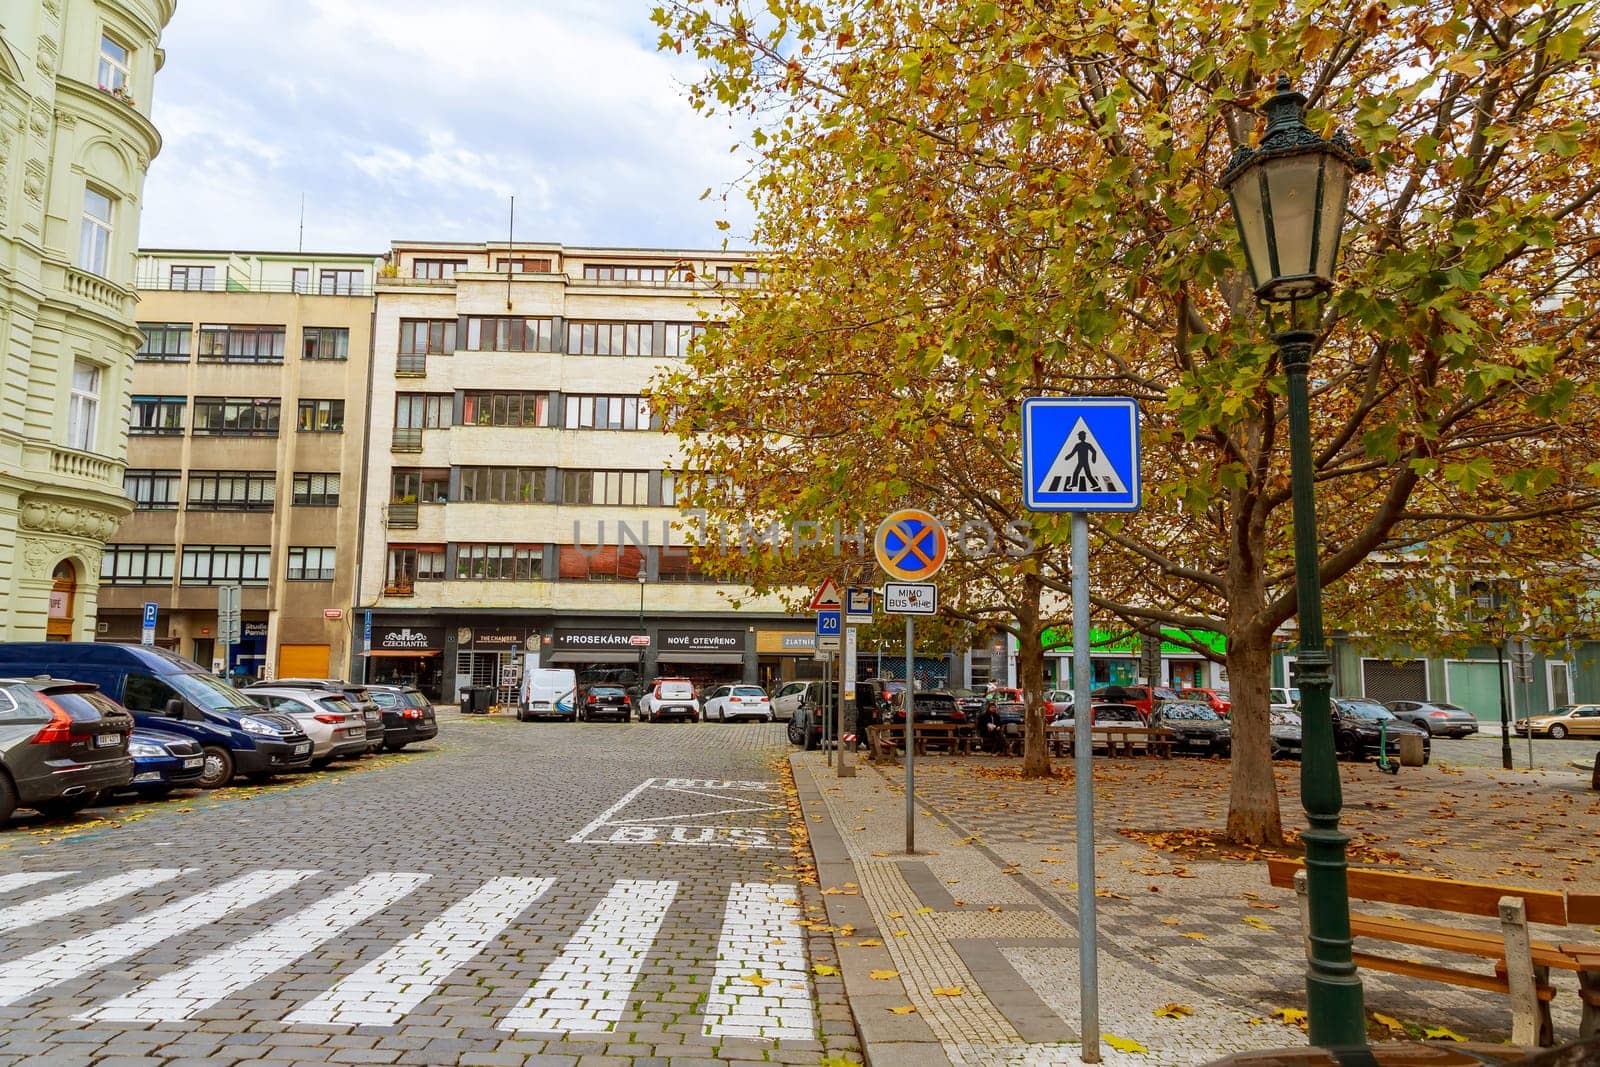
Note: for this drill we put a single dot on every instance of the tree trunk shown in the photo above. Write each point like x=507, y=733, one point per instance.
x=1253, y=815
x=1030, y=658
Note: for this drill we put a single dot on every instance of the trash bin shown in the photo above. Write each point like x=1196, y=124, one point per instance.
x=465, y=696
x=482, y=699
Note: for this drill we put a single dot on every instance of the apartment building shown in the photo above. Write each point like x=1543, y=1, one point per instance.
x=247, y=443
x=520, y=491
x=75, y=143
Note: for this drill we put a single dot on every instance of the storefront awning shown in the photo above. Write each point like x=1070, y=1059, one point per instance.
x=381, y=653
x=691, y=656
x=587, y=656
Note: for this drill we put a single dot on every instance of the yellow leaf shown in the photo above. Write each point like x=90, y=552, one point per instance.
x=897, y=915
x=1123, y=1044
x=868, y=942
x=1194, y=935
x=1442, y=1033
x=924, y=910
x=883, y=976
x=1256, y=1020
x=756, y=980
x=1290, y=1016
x=847, y=930
x=1171, y=920
x=904, y=1009
x=1259, y=924
x=826, y=970
x=1174, y=1011
x=1390, y=1021
x=901, y=933
x=948, y=991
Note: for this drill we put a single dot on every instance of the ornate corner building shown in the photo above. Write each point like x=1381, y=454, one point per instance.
x=75, y=143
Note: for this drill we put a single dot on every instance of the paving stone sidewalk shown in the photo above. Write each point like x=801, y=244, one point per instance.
x=988, y=905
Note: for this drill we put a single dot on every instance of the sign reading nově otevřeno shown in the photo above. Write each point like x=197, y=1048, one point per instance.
x=703, y=640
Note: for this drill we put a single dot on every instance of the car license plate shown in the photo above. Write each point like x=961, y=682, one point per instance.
x=107, y=740
x=193, y=762
x=1202, y=740
x=301, y=750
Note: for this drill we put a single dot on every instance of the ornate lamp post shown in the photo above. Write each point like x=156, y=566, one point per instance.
x=1288, y=197
x=1490, y=603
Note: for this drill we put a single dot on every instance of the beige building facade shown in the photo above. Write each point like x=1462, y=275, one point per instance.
x=521, y=494
x=75, y=143
x=245, y=457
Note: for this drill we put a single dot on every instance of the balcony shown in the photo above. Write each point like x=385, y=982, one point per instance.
x=400, y=516
x=411, y=365
x=406, y=439
x=70, y=463
x=100, y=294
x=399, y=587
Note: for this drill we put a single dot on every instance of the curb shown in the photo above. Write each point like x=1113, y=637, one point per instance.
x=886, y=1040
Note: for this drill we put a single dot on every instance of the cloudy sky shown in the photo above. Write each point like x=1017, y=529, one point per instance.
x=411, y=119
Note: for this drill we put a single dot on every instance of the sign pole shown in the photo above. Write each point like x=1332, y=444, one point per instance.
x=1083, y=756
x=911, y=747
x=822, y=708
x=848, y=726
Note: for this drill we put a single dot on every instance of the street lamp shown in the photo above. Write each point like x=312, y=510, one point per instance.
x=1491, y=607
x=643, y=578
x=1288, y=197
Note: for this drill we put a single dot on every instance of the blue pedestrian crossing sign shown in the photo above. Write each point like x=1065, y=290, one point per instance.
x=1080, y=453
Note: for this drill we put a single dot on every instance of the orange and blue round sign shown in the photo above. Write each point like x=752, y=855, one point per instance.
x=911, y=545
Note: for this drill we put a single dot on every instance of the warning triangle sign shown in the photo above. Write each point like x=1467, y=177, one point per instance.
x=1081, y=466
x=827, y=597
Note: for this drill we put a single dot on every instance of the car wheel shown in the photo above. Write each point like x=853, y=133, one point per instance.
x=1350, y=749
x=1557, y=731
x=395, y=746
x=64, y=807
x=217, y=771
x=796, y=736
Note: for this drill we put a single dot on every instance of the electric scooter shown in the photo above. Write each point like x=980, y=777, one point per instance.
x=1385, y=764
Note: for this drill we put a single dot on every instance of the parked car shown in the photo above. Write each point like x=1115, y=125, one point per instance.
x=971, y=701
x=604, y=701
x=1573, y=720
x=1280, y=698
x=407, y=715
x=548, y=693
x=787, y=700
x=162, y=761
x=336, y=726
x=1102, y=715
x=726, y=703
x=999, y=722
x=669, y=698
x=61, y=744
x=1358, y=723
x=930, y=705
x=873, y=699
x=356, y=694
x=1219, y=700
x=1198, y=728
x=805, y=724
x=1284, y=727
x=1143, y=697
x=164, y=691
x=1435, y=717
x=1056, y=701
x=1004, y=695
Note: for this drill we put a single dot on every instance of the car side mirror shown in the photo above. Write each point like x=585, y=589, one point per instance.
x=174, y=709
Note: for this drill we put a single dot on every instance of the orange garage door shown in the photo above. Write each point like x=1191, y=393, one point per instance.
x=303, y=661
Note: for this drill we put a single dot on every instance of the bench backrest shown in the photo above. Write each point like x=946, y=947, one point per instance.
x=1583, y=908
x=1420, y=891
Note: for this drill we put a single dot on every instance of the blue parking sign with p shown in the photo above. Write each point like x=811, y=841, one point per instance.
x=829, y=623
x=1080, y=453
x=150, y=610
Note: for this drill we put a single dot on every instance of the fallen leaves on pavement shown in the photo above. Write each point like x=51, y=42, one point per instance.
x=883, y=976
x=1123, y=1044
x=948, y=991
x=904, y=1009
x=1291, y=1017
x=1174, y=1011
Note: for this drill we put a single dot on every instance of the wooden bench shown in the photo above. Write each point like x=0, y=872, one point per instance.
x=1118, y=740
x=1521, y=966
x=884, y=741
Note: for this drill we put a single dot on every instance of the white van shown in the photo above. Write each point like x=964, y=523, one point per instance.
x=548, y=693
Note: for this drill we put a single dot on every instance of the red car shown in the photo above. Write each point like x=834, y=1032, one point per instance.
x=1219, y=700
x=1143, y=697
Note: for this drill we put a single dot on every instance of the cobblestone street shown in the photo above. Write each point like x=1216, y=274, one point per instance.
x=512, y=894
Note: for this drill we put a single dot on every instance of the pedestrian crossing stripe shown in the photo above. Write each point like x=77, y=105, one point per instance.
x=588, y=988
x=1081, y=466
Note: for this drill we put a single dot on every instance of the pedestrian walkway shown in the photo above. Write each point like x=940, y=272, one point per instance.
x=1196, y=955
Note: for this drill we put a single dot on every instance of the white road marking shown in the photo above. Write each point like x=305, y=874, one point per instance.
x=587, y=988
x=605, y=816
x=383, y=991
x=761, y=937
x=221, y=974
x=84, y=896
x=23, y=879
x=27, y=975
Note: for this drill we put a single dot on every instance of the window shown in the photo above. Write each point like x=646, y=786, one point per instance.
x=325, y=342
x=422, y=411
x=437, y=268
x=83, y=407
x=499, y=563
x=740, y=274
x=241, y=344
x=522, y=266
x=409, y=563
x=634, y=272
x=151, y=490
x=243, y=416
x=192, y=278
x=157, y=415
x=226, y=564
x=605, y=487
x=232, y=490
x=302, y=280
x=412, y=485
x=136, y=564
x=677, y=565
x=320, y=416
x=609, y=338
x=681, y=336
x=310, y=565
x=502, y=334
x=113, y=76
x=607, y=413
x=164, y=342
x=610, y=563
x=316, y=490
x=94, y=238
x=341, y=283
x=423, y=336
x=501, y=485
x=505, y=409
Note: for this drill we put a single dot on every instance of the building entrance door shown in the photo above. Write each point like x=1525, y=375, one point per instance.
x=63, y=602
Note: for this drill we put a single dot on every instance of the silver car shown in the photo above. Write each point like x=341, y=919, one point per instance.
x=1436, y=717
x=336, y=726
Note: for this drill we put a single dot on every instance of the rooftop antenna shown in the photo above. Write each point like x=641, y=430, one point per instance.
x=301, y=247
x=511, y=237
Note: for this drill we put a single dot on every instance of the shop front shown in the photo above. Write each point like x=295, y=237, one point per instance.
x=1114, y=658
x=600, y=655
x=492, y=656
x=784, y=656
x=705, y=657
x=403, y=654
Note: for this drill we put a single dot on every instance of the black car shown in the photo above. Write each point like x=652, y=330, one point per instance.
x=407, y=715
x=61, y=743
x=874, y=696
x=1284, y=729
x=604, y=702
x=1198, y=728
x=805, y=724
x=377, y=733
x=999, y=723
x=970, y=701
x=930, y=705
x=1358, y=724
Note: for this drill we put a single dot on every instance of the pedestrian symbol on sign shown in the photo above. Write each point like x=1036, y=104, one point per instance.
x=1081, y=466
